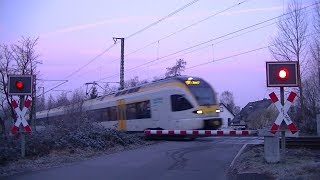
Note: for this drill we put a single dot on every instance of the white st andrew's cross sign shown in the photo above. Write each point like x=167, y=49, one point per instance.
x=283, y=115
x=20, y=116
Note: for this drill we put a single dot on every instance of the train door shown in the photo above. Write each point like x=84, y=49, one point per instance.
x=121, y=115
x=158, y=112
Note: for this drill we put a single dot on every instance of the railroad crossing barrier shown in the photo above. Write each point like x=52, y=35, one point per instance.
x=199, y=132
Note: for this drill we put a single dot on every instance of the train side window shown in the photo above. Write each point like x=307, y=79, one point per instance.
x=113, y=113
x=131, y=111
x=179, y=103
x=143, y=110
x=96, y=115
x=105, y=114
x=138, y=110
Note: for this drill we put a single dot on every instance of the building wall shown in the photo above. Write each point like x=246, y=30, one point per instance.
x=226, y=116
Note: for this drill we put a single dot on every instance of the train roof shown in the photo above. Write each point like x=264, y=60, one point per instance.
x=129, y=90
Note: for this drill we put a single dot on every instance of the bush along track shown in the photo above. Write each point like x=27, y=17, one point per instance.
x=69, y=140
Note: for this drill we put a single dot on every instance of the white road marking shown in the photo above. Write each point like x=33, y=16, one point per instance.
x=239, y=153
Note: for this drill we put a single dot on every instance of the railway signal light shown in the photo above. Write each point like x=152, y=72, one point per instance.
x=282, y=74
x=20, y=84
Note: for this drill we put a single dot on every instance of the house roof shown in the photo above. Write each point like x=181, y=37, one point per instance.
x=226, y=108
x=251, y=107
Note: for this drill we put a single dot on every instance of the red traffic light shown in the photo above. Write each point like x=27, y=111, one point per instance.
x=19, y=84
x=283, y=73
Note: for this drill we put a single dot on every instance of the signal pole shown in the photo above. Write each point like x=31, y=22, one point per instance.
x=121, y=62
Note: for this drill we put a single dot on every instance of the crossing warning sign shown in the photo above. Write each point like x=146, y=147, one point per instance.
x=21, y=116
x=283, y=115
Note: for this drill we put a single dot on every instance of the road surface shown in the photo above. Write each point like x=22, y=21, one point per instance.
x=201, y=159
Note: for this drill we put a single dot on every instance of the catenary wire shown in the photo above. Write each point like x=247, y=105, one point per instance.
x=162, y=19
x=137, y=32
x=184, y=28
x=205, y=42
x=242, y=53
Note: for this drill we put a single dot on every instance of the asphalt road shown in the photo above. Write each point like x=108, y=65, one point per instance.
x=204, y=158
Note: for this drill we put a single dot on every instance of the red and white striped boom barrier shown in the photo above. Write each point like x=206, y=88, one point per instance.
x=200, y=132
x=20, y=116
x=283, y=115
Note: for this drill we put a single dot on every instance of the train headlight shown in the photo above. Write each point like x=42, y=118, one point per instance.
x=217, y=110
x=199, y=112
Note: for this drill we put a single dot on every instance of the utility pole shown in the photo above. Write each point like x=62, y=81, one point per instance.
x=122, y=62
x=33, y=106
x=22, y=132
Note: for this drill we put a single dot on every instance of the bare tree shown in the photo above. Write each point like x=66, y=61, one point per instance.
x=177, y=69
x=78, y=96
x=40, y=104
x=311, y=83
x=62, y=100
x=5, y=69
x=134, y=82
x=51, y=102
x=227, y=99
x=291, y=41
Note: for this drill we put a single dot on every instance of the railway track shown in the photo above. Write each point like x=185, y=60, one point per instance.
x=312, y=142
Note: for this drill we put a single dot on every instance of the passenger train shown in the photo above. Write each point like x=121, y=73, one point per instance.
x=173, y=103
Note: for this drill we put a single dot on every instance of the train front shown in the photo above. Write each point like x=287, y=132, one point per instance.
x=208, y=107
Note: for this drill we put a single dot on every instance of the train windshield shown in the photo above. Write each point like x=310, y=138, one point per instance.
x=202, y=91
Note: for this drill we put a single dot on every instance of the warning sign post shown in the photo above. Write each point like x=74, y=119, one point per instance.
x=21, y=86
x=282, y=74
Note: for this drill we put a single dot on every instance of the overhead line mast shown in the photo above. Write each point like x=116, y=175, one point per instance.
x=121, y=62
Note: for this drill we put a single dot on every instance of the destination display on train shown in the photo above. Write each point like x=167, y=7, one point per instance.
x=192, y=82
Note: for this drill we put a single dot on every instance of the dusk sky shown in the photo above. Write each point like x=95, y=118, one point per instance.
x=73, y=32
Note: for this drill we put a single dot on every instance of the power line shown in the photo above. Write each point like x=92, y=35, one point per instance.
x=143, y=29
x=93, y=59
x=242, y=53
x=162, y=19
x=79, y=69
x=53, y=88
x=153, y=24
x=204, y=47
x=211, y=44
x=49, y=80
x=213, y=39
x=182, y=29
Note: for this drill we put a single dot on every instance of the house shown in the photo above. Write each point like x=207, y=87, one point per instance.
x=226, y=115
x=255, y=114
